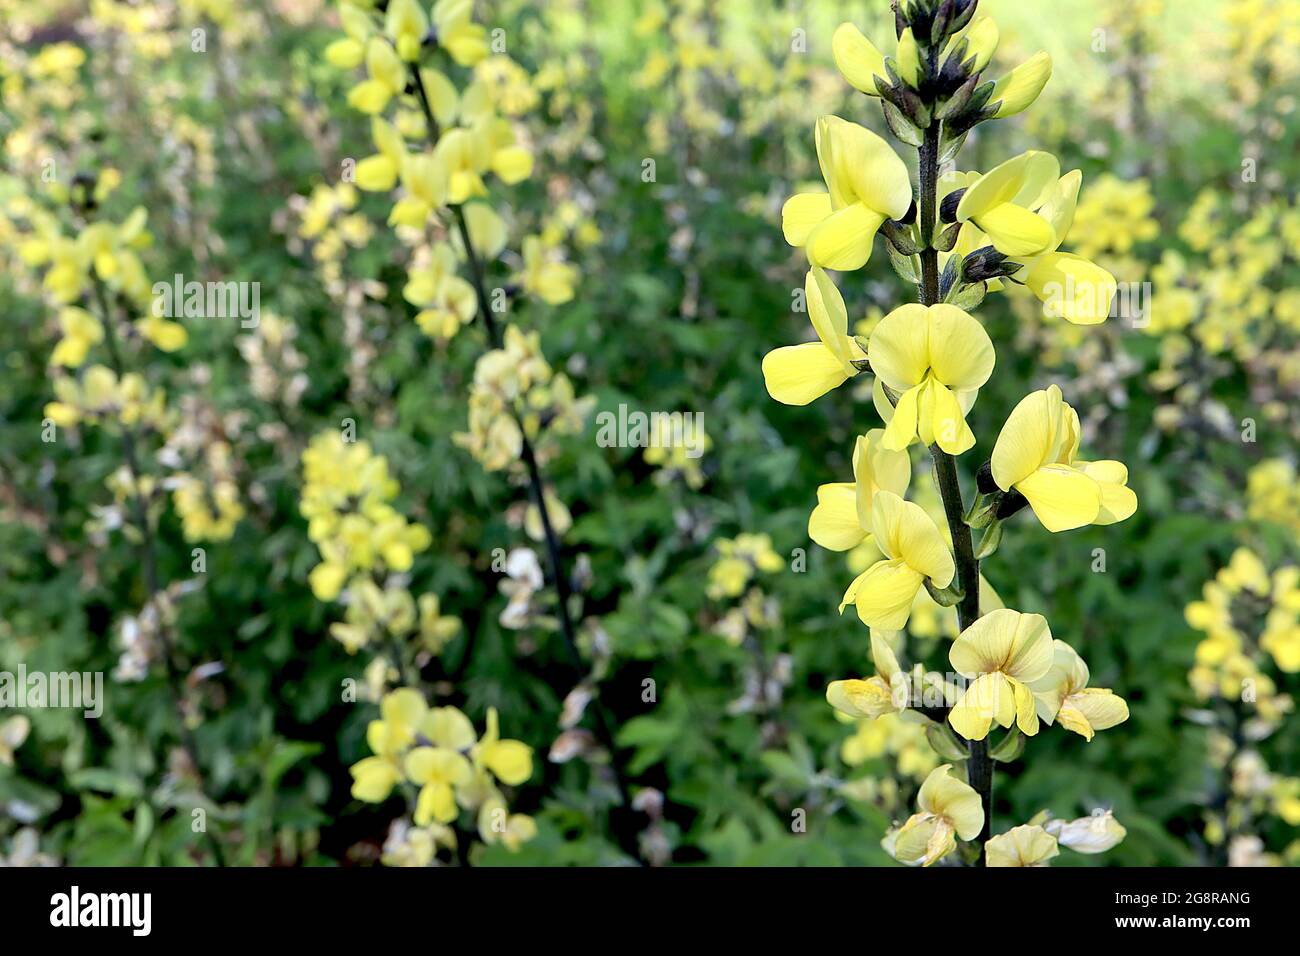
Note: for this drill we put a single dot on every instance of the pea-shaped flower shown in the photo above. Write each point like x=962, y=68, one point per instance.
x=799, y=374
x=1003, y=652
x=1064, y=696
x=884, y=693
x=1001, y=203
x=867, y=184
x=842, y=519
x=914, y=550
x=935, y=358
x=949, y=808
x=1069, y=286
x=1028, y=845
x=1037, y=455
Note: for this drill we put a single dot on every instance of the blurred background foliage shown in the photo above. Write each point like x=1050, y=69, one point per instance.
x=1182, y=117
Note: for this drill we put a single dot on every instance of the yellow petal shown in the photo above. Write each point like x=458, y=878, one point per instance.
x=946, y=422
x=1072, y=288
x=376, y=174
x=1015, y=231
x=1101, y=708
x=799, y=374
x=834, y=523
x=988, y=698
x=955, y=800
x=1028, y=438
x=861, y=698
x=801, y=214
x=843, y=240
x=511, y=761
x=1118, y=501
x=899, y=347
x=901, y=428
x=857, y=58
x=903, y=530
x=828, y=314
x=960, y=351
x=883, y=594
x=1021, y=846
x=1018, y=89
x=1019, y=645
x=1063, y=498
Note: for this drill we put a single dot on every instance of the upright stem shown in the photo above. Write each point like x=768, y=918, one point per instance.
x=148, y=563
x=536, y=483
x=979, y=766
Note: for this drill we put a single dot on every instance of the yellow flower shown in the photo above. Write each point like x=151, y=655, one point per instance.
x=1063, y=695
x=81, y=330
x=424, y=178
x=867, y=184
x=347, y=53
x=550, y=280
x=1017, y=90
x=406, y=25
x=379, y=173
x=1069, y=286
x=387, y=78
x=842, y=518
x=936, y=358
x=1000, y=204
x=1004, y=651
x=465, y=40
x=982, y=42
x=949, y=808
x=885, y=693
x=799, y=374
x=1036, y=454
x=465, y=157
x=437, y=771
x=1021, y=846
x=510, y=761
x=858, y=59
x=914, y=550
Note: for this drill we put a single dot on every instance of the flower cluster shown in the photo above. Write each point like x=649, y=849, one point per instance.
x=435, y=754
x=347, y=500
x=1249, y=617
x=515, y=394
x=957, y=236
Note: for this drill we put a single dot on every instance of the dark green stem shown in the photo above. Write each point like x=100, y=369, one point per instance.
x=149, y=565
x=979, y=767
x=536, y=483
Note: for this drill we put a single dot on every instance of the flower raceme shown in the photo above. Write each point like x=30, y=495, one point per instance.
x=842, y=519
x=867, y=183
x=799, y=374
x=948, y=808
x=914, y=552
x=1003, y=652
x=935, y=358
x=1037, y=455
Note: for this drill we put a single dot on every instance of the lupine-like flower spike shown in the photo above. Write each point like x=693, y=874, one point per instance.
x=957, y=237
